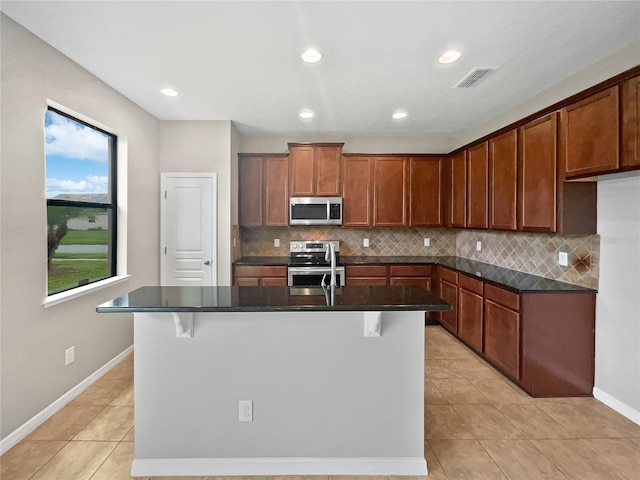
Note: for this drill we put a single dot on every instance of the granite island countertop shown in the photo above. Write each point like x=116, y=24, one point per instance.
x=519, y=282
x=275, y=299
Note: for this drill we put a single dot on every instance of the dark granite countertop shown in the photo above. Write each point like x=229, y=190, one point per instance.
x=503, y=277
x=276, y=299
x=263, y=261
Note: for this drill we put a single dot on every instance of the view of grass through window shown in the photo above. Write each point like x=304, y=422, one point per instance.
x=80, y=203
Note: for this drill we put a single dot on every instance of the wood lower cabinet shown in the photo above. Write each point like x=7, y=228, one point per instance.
x=419, y=275
x=425, y=192
x=502, y=329
x=470, y=311
x=253, y=276
x=590, y=134
x=263, y=190
x=390, y=191
x=503, y=181
x=366, y=275
x=448, y=290
x=356, y=193
x=630, y=155
x=478, y=186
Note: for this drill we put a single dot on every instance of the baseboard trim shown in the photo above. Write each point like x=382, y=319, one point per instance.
x=411, y=466
x=30, y=425
x=617, y=405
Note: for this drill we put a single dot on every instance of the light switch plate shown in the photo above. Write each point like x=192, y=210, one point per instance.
x=563, y=259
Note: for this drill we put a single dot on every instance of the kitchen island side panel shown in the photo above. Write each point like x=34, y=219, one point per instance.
x=319, y=387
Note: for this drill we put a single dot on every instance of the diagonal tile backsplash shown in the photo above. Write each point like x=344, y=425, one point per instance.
x=524, y=252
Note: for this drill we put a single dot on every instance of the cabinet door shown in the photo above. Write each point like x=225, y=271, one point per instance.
x=503, y=181
x=328, y=171
x=276, y=206
x=389, y=191
x=631, y=123
x=250, y=191
x=449, y=294
x=356, y=192
x=458, y=190
x=537, y=167
x=502, y=337
x=425, y=184
x=478, y=186
x=590, y=134
x=302, y=171
x=470, y=318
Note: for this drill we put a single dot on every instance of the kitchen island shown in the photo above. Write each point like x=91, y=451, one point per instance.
x=331, y=380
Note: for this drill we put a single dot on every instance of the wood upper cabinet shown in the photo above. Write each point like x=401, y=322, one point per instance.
x=276, y=191
x=250, y=184
x=503, y=181
x=425, y=191
x=478, y=186
x=457, y=190
x=630, y=123
x=590, y=135
x=390, y=191
x=356, y=192
x=316, y=170
x=537, y=174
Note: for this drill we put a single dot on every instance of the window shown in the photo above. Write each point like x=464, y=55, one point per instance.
x=81, y=202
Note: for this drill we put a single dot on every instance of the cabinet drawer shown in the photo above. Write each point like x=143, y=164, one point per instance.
x=449, y=275
x=366, y=281
x=273, y=271
x=470, y=284
x=366, y=271
x=502, y=297
x=410, y=270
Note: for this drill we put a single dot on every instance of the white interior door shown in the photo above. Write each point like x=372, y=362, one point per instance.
x=188, y=229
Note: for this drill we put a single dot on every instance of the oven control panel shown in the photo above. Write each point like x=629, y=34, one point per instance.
x=312, y=246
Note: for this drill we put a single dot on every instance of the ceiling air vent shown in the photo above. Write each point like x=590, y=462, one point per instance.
x=475, y=76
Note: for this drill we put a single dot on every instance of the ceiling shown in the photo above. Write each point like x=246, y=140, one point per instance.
x=240, y=60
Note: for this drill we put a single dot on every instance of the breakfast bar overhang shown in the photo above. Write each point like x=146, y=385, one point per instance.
x=333, y=377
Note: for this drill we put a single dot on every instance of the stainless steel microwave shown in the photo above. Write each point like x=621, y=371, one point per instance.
x=315, y=211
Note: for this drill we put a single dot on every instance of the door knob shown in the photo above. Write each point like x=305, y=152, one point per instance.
x=207, y=262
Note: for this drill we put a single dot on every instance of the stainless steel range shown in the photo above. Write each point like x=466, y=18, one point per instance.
x=308, y=264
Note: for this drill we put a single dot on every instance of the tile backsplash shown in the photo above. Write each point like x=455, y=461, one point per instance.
x=525, y=252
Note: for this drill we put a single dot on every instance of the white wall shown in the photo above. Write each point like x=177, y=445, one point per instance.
x=596, y=73
x=617, y=379
x=205, y=146
x=33, y=339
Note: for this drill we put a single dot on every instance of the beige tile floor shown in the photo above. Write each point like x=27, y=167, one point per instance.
x=477, y=426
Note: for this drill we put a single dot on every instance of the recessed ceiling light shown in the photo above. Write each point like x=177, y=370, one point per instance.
x=450, y=56
x=311, y=55
x=399, y=115
x=306, y=114
x=169, y=92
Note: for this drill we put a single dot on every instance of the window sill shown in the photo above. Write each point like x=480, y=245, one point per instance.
x=61, y=297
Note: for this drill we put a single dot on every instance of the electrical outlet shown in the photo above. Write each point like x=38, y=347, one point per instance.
x=365, y=242
x=479, y=246
x=563, y=259
x=69, y=355
x=245, y=411
x=427, y=242
x=276, y=242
